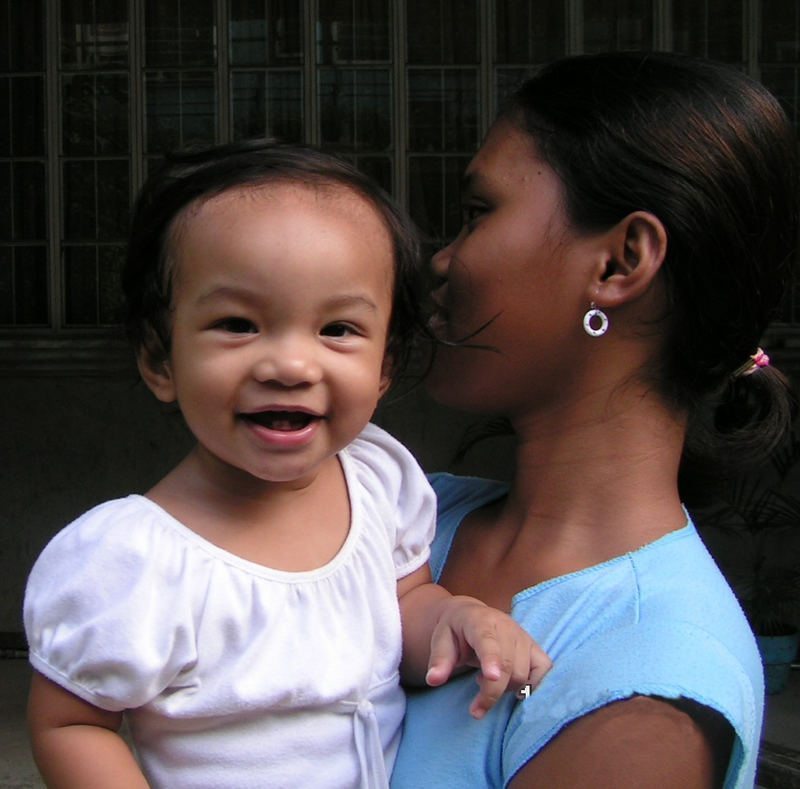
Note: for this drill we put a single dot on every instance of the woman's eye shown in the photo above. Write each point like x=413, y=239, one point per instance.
x=236, y=326
x=338, y=330
x=470, y=212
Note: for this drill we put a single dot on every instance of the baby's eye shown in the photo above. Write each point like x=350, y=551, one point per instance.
x=339, y=330
x=236, y=326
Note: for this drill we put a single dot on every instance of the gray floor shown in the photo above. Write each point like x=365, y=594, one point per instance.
x=17, y=771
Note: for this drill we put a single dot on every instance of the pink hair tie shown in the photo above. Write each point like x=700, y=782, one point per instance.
x=758, y=359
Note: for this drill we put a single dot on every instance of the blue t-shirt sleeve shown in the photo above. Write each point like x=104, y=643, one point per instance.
x=643, y=659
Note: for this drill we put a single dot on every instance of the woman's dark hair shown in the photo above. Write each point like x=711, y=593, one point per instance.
x=191, y=176
x=710, y=153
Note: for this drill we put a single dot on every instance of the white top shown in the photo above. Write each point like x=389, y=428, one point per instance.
x=235, y=674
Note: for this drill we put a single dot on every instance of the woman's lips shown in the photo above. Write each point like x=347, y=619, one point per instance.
x=437, y=322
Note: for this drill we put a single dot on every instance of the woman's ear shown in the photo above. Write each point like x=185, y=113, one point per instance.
x=635, y=250
x=156, y=373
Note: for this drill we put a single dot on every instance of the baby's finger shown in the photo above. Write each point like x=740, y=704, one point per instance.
x=490, y=691
x=444, y=657
x=540, y=664
x=494, y=654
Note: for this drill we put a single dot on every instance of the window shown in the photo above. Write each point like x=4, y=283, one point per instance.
x=24, y=210
x=96, y=90
x=442, y=113
x=93, y=155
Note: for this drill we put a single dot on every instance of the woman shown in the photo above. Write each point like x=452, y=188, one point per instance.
x=629, y=224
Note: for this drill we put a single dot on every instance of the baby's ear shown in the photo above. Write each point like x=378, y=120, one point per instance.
x=155, y=371
x=386, y=374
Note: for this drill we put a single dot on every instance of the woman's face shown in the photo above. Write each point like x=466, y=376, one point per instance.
x=512, y=280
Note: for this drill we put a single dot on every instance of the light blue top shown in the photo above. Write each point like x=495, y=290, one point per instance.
x=659, y=621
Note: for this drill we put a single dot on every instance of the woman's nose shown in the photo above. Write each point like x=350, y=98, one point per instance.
x=288, y=363
x=440, y=263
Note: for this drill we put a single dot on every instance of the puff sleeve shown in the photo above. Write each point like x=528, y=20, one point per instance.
x=391, y=476
x=103, y=615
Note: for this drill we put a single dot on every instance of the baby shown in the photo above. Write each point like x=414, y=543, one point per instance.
x=245, y=613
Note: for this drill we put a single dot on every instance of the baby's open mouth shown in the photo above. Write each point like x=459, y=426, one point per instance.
x=281, y=420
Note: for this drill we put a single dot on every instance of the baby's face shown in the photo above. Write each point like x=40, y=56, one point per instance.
x=281, y=305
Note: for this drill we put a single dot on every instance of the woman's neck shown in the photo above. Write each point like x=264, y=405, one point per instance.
x=598, y=476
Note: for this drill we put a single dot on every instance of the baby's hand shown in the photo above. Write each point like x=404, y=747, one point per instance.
x=469, y=633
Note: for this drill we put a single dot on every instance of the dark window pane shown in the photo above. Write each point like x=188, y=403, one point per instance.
x=434, y=189
x=355, y=108
x=22, y=35
x=426, y=194
x=709, y=28
x=112, y=114
x=726, y=31
x=180, y=109
x=95, y=114
x=80, y=205
x=616, y=25
x=780, y=31
x=267, y=104
x=110, y=261
x=783, y=82
x=198, y=33
x=249, y=103
x=508, y=79
x=442, y=31
x=30, y=201
x=78, y=108
x=353, y=31
x=162, y=36
x=379, y=168
x=94, y=34
x=443, y=110
x=5, y=201
x=180, y=33
x=113, y=199
x=271, y=35
x=5, y=113
x=163, y=112
x=80, y=286
x=27, y=116
x=198, y=106
x=425, y=111
x=249, y=33
x=6, y=286
x=530, y=32
x=30, y=286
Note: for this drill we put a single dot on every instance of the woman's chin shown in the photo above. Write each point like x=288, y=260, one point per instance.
x=448, y=387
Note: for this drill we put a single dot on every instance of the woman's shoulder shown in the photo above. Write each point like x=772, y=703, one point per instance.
x=658, y=622
x=670, y=590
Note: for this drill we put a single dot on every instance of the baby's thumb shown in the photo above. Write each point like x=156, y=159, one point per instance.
x=443, y=659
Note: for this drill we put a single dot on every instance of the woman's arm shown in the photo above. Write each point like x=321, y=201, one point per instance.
x=642, y=742
x=442, y=632
x=76, y=744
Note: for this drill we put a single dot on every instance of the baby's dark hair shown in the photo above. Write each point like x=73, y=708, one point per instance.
x=710, y=152
x=196, y=175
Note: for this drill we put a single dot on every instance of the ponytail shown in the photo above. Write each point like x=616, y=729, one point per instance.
x=738, y=430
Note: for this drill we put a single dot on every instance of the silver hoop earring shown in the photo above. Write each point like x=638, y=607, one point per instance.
x=590, y=316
